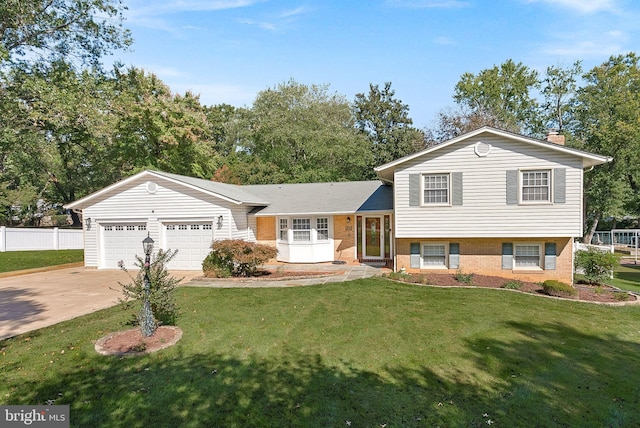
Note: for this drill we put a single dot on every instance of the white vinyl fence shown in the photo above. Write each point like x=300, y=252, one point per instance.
x=26, y=239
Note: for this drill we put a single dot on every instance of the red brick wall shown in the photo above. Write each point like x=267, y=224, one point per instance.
x=484, y=256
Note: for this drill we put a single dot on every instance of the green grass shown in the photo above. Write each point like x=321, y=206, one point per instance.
x=360, y=354
x=17, y=260
x=627, y=277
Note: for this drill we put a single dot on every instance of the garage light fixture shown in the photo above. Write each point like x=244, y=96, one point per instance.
x=87, y=221
x=220, y=218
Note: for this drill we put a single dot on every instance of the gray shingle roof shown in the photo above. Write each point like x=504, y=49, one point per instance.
x=323, y=198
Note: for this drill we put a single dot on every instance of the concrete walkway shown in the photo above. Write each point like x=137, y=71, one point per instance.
x=35, y=300
x=335, y=273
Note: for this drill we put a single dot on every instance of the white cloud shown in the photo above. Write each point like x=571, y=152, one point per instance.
x=583, y=6
x=261, y=24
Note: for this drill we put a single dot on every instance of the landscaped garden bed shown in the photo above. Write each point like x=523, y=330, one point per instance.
x=584, y=292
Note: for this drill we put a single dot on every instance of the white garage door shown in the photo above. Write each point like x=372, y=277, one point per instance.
x=122, y=242
x=193, y=242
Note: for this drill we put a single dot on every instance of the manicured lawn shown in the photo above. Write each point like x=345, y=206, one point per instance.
x=627, y=277
x=363, y=353
x=18, y=260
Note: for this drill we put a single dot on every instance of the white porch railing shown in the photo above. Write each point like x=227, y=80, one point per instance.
x=28, y=239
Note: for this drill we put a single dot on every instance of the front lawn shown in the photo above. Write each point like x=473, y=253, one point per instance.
x=17, y=260
x=366, y=353
x=627, y=277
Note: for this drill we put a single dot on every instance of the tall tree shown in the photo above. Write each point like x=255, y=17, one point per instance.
x=558, y=88
x=451, y=123
x=61, y=29
x=306, y=133
x=608, y=123
x=503, y=92
x=158, y=129
x=386, y=123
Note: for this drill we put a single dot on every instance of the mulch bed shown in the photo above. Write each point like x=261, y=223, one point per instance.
x=587, y=293
x=131, y=342
x=275, y=275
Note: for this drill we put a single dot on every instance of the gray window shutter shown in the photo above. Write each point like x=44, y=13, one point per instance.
x=512, y=187
x=456, y=188
x=560, y=185
x=454, y=256
x=507, y=255
x=414, y=190
x=550, y=256
x=415, y=255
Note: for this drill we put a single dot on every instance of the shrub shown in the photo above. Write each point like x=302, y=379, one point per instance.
x=465, y=278
x=596, y=264
x=557, y=288
x=512, y=285
x=235, y=257
x=161, y=288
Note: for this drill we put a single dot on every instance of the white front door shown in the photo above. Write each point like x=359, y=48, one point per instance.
x=193, y=242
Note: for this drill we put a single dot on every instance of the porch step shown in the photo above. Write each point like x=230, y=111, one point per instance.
x=388, y=263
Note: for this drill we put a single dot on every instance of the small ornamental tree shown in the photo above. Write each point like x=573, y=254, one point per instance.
x=161, y=288
x=597, y=265
x=235, y=257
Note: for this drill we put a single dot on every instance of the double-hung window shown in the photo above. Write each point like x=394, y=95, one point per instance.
x=284, y=229
x=536, y=186
x=435, y=189
x=322, y=229
x=301, y=229
x=527, y=256
x=434, y=256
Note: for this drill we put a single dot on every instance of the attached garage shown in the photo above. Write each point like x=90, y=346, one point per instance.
x=177, y=212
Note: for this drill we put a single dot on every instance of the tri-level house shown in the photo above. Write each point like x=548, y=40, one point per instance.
x=489, y=202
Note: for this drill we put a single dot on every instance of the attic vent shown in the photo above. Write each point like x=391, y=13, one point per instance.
x=152, y=187
x=482, y=149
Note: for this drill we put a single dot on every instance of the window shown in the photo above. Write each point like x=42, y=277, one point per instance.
x=301, y=229
x=527, y=256
x=434, y=256
x=536, y=186
x=284, y=226
x=322, y=228
x=436, y=188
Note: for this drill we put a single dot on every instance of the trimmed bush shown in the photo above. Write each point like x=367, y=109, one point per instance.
x=558, y=289
x=512, y=285
x=235, y=257
x=596, y=264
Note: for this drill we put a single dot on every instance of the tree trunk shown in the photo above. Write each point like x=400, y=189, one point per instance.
x=589, y=236
x=75, y=217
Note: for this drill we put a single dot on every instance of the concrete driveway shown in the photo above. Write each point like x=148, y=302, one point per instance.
x=36, y=300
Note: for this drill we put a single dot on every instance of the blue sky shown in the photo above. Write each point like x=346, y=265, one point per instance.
x=229, y=50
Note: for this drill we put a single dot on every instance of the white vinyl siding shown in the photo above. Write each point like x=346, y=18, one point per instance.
x=485, y=212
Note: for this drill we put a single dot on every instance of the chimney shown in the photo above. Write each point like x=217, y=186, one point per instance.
x=553, y=136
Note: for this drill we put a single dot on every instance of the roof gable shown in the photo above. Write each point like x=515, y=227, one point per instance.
x=385, y=172
x=228, y=192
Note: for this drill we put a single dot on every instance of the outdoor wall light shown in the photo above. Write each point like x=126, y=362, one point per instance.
x=348, y=220
x=88, y=222
x=220, y=218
